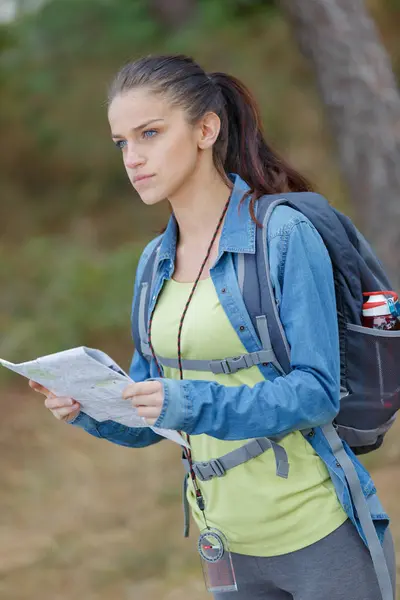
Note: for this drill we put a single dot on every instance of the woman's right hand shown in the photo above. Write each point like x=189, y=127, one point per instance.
x=64, y=409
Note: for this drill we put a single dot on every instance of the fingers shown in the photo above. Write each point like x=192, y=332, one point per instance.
x=64, y=413
x=53, y=402
x=38, y=388
x=63, y=408
x=147, y=400
x=141, y=388
x=148, y=412
x=147, y=397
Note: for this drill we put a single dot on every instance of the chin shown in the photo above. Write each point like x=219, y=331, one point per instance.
x=151, y=197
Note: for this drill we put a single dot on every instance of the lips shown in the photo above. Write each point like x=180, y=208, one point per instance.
x=141, y=178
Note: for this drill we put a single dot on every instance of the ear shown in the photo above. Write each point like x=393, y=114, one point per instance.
x=208, y=130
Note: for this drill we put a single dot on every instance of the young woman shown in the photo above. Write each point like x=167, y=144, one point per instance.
x=195, y=139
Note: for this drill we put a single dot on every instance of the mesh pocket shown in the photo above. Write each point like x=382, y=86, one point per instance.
x=372, y=376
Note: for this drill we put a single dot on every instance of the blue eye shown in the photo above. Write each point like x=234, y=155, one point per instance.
x=120, y=144
x=150, y=132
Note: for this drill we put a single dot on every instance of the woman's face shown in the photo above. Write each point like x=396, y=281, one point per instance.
x=159, y=147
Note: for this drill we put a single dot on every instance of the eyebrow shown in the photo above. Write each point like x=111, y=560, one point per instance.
x=117, y=135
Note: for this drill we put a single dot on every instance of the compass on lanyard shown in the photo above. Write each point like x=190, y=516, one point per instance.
x=211, y=545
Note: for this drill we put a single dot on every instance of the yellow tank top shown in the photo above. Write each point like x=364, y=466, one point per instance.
x=260, y=513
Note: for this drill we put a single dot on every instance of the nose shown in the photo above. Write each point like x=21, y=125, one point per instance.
x=132, y=158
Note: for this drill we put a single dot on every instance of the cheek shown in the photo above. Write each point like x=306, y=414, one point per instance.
x=179, y=162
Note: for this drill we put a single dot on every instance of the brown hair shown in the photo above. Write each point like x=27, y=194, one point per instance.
x=240, y=147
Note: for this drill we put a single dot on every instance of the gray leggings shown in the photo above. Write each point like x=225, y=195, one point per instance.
x=338, y=567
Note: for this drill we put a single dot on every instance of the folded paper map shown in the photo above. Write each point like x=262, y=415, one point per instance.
x=94, y=380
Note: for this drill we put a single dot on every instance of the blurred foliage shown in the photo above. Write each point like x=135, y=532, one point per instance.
x=70, y=223
x=57, y=294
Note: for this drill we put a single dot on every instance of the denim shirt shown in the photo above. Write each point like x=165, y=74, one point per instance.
x=307, y=397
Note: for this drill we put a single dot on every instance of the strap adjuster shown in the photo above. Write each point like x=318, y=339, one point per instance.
x=230, y=365
x=208, y=470
x=225, y=366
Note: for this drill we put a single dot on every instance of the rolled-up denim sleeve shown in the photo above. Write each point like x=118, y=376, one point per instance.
x=309, y=395
x=132, y=437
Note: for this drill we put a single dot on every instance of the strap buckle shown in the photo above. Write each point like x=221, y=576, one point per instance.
x=208, y=470
x=230, y=365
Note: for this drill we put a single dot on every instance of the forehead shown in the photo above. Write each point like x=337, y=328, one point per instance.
x=137, y=106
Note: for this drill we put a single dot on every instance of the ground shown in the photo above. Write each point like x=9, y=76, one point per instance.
x=83, y=518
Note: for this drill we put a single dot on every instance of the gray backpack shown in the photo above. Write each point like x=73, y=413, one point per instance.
x=369, y=358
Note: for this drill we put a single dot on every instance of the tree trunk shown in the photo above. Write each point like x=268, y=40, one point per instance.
x=173, y=14
x=358, y=87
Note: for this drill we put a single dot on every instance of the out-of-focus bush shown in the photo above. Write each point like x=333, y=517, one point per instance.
x=57, y=294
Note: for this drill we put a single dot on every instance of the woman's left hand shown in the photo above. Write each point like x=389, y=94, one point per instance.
x=147, y=397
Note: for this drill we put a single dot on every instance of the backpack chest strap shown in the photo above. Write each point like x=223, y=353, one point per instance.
x=218, y=467
x=226, y=365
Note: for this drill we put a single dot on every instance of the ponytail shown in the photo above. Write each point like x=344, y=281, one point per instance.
x=243, y=149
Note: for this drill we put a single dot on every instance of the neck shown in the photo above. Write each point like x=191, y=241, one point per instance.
x=198, y=205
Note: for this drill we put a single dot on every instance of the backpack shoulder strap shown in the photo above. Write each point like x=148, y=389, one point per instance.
x=148, y=267
x=254, y=272
x=257, y=287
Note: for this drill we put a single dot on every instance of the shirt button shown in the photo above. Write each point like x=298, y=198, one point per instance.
x=338, y=464
x=242, y=328
x=223, y=290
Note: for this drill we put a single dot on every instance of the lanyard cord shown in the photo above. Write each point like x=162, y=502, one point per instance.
x=186, y=451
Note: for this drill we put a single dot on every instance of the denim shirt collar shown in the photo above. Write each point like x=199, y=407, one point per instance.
x=238, y=232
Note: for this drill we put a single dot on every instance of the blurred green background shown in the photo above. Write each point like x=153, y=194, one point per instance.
x=80, y=517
